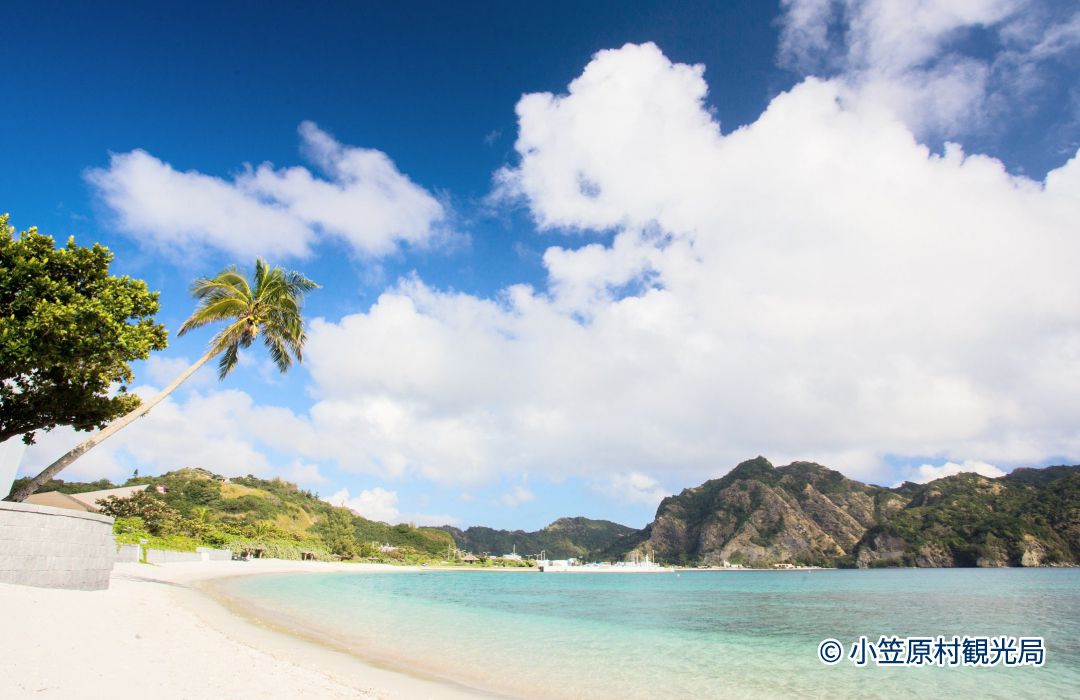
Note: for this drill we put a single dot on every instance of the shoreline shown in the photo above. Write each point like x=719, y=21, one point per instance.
x=164, y=632
x=279, y=624
x=160, y=631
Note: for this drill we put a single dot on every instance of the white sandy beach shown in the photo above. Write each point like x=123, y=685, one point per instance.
x=154, y=634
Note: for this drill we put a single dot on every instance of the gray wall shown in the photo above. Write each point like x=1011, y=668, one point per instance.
x=215, y=554
x=55, y=547
x=130, y=553
x=167, y=556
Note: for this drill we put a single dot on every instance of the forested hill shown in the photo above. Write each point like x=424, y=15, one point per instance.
x=201, y=508
x=757, y=514
x=804, y=513
x=565, y=538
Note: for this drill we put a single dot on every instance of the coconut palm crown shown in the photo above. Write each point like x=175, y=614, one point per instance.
x=269, y=304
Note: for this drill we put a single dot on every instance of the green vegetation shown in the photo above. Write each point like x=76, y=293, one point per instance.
x=338, y=533
x=201, y=509
x=69, y=332
x=793, y=516
x=565, y=538
x=62, y=486
x=977, y=521
x=269, y=305
x=804, y=513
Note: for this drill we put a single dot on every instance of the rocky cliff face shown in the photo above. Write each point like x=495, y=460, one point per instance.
x=760, y=514
x=1028, y=518
x=805, y=513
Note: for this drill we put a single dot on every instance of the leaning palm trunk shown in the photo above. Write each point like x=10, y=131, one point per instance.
x=269, y=306
x=97, y=438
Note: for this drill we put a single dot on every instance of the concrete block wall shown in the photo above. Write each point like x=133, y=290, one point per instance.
x=128, y=553
x=167, y=556
x=133, y=553
x=55, y=547
x=215, y=554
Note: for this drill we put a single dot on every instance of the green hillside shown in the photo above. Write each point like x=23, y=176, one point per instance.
x=1028, y=518
x=756, y=515
x=565, y=538
x=199, y=508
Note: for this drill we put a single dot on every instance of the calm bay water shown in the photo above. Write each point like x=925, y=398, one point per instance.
x=692, y=634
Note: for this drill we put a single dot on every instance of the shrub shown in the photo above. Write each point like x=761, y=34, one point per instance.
x=155, y=513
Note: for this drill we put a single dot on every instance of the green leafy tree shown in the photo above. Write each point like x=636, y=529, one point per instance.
x=68, y=486
x=157, y=515
x=130, y=530
x=337, y=530
x=68, y=330
x=269, y=305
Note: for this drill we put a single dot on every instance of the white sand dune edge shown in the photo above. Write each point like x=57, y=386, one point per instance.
x=153, y=634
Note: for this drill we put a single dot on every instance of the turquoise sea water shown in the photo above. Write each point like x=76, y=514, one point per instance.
x=694, y=634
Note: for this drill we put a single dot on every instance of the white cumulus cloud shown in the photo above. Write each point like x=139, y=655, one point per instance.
x=382, y=505
x=929, y=472
x=160, y=371
x=304, y=474
x=224, y=431
x=373, y=504
x=815, y=285
x=918, y=60
x=633, y=487
x=516, y=496
x=358, y=196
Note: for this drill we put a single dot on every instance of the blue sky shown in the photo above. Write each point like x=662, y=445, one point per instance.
x=562, y=282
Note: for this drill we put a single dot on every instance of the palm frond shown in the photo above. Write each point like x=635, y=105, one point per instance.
x=233, y=334
x=299, y=283
x=269, y=304
x=229, y=278
x=228, y=360
x=261, y=269
x=219, y=310
x=279, y=351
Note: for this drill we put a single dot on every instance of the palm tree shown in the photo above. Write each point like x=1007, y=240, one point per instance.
x=269, y=305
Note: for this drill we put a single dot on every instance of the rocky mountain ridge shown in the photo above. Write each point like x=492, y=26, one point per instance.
x=804, y=513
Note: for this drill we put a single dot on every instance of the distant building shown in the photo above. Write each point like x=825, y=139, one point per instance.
x=387, y=548
x=86, y=502
x=470, y=559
